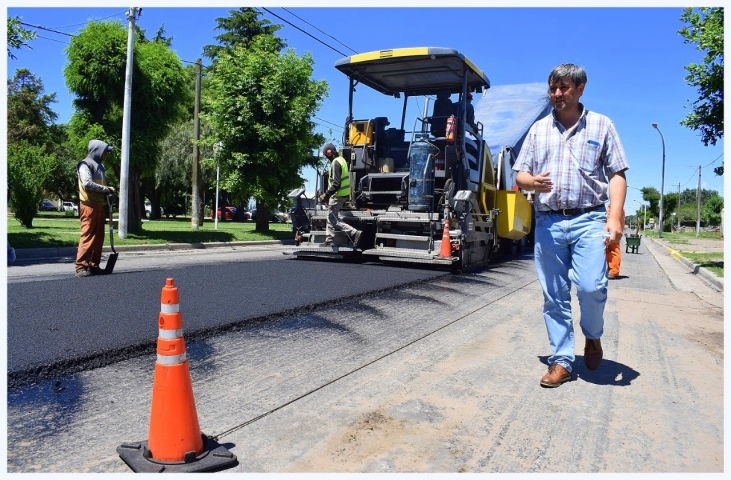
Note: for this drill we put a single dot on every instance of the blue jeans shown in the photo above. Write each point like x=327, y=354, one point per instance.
x=571, y=250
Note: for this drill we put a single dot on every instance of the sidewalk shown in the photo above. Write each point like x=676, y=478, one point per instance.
x=702, y=245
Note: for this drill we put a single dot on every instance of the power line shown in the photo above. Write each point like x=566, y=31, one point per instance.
x=714, y=161
x=47, y=29
x=186, y=61
x=326, y=121
x=51, y=39
x=327, y=126
x=324, y=33
x=309, y=35
x=96, y=20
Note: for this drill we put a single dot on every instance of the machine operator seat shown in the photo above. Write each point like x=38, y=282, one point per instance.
x=443, y=108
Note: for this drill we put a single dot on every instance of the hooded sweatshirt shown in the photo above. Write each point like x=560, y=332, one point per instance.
x=92, y=181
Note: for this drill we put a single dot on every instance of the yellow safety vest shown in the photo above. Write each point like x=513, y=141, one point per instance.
x=344, y=190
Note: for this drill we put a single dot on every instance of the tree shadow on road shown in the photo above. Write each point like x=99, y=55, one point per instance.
x=609, y=373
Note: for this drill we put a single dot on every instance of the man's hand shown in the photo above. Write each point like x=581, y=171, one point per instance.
x=542, y=183
x=614, y=229
x=324, y=197
x=111, y=191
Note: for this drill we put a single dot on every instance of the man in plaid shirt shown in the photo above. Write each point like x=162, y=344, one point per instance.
x=574, y=161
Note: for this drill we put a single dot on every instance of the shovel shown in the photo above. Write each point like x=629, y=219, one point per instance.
x=112, y=256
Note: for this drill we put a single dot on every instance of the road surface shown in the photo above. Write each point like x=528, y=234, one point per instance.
x=439, y=375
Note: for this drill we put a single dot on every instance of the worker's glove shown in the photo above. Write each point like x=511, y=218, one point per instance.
x=324, y=197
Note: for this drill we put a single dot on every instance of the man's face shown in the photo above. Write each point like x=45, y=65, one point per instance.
x=329, y=154
x=564, y=94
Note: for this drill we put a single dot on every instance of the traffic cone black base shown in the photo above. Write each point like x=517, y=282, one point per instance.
x=214, y=457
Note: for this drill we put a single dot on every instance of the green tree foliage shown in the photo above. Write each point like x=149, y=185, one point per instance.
x=651, y=195
x=18, y=36
x=261, y=104
x=30, y=120
x=174, y=174
x=96, y=72
x=28, y=167
x=240, y=28
x=705, y=29
x=711, y=210
x=685, y=206
x=259, y=100
x=29, y=112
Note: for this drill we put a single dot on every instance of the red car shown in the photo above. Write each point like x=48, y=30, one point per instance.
x=230, y=212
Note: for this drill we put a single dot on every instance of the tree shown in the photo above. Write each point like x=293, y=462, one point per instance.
x=711, y=210
x=174, y=172
x=29, y=113
x=18, y=36
x=705, y=29
x=651, y=195
x=240, y=29
x=95, y=73
x=28, y=167
x=261, y=104
x=30, y=121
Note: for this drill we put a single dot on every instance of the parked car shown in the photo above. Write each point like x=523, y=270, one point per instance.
x=47, y=206
x=230, y=212
x=275, y=216
x=70, y=207
x=148, y=209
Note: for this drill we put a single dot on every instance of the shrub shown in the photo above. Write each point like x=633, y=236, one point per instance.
x=28, y=168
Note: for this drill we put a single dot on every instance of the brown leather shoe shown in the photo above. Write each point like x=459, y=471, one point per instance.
x=556, y=375
x=593, y=353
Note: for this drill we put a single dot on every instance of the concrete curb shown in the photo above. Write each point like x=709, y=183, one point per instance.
x=59, y=252
x=707, y=275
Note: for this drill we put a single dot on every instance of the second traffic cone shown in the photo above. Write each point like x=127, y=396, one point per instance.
x=175, y=442
x=446, y=248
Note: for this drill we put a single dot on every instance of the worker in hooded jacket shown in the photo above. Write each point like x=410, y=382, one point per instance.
x=92, y=199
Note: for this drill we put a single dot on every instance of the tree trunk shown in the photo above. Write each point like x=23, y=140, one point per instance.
x=262, y=217
x=135, y=206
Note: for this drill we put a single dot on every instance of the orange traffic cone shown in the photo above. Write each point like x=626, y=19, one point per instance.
x=175, y=442
x=446, y=249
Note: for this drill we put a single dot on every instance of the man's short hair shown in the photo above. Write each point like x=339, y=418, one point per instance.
x=568, y=70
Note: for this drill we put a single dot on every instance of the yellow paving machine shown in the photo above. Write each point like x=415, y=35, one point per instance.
x=426, y=190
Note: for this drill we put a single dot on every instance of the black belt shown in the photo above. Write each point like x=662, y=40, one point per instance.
x=568, y=212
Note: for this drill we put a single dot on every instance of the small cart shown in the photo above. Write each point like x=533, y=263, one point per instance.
x=633, y=242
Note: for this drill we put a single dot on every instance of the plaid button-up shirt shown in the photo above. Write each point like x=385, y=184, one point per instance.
x=579, y=160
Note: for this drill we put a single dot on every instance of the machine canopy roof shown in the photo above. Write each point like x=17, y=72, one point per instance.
x=414, y=71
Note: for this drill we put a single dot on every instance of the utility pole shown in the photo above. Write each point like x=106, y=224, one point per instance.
x=698, y=202
x=662, y=182
x=196, y=217
x=124, y=167
x=678, y=207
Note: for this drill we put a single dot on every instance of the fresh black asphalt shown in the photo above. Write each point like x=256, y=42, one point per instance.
x=62, y=326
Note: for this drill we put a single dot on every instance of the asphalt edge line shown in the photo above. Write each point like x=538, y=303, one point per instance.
x=57, y=252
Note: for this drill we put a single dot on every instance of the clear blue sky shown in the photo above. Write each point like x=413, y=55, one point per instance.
x=634, y=59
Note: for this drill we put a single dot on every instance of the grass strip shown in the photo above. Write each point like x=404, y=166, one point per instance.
x=51, y=231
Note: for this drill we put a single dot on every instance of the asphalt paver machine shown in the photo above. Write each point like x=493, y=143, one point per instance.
x=425, y=190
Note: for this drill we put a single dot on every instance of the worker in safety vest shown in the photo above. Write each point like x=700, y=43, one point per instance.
x=336, y=195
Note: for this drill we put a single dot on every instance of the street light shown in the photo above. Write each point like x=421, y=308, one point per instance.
x=644, y=207
x=662, y=180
